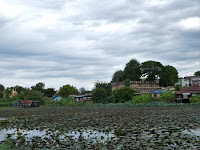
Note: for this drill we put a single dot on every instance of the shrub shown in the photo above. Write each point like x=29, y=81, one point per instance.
x=123, y=94
x=195, y=99
x=144, y=98
x=167, y=96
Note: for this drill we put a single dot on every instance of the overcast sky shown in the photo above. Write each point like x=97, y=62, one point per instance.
x=78, y=42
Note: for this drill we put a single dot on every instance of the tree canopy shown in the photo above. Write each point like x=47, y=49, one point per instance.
x=118, y=76
x=151, y=70
x=132, y=70
x=67, y=90
x=169, y=76
x=197, y=73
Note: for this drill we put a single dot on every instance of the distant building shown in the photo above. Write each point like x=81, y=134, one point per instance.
x=185, y=93
x=189, y=81
x=56, y=98
x=156, y=94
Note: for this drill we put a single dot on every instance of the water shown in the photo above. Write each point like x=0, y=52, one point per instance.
x=195, y=132
x=2, y=119
x=85, y=134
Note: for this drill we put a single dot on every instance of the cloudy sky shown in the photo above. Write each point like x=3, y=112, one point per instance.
x=78, y=42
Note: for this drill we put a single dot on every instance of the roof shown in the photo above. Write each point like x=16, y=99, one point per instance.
x=192, y=88
x=158, y=92
x=82, y=96
x=181, y=92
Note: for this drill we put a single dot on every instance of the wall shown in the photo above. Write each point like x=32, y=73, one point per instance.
x=141, y=87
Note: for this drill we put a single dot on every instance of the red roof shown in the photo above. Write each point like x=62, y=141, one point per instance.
x=181, y=92
x=26, y=101
x=193, y=88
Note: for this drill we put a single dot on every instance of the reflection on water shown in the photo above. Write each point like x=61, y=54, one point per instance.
x=85, y=134
x=195, y=131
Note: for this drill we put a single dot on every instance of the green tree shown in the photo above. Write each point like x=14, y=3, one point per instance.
x=104, y=85
x=2, y=88
x=168, y=76
x=67, y=90
x=8, y=92
x=99, y=94
x=49, y=92
x=167, y=96
x=118, y=76
x=35, y=95
x=197, y=73
x=123, y=94
x=132, y=70
x=38, y=87
x=151, y=70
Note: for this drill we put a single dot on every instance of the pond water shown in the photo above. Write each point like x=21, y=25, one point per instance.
x=2, y=118
x=85, y=134
x=195, y=132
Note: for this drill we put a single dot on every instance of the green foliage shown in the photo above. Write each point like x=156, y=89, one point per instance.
x=118, y=76
x=127, y=82
x=132, y=70
x=101, y=91
x=1, y=94
x=197, y=73
x=168, y=76
x=99, y=94
x=35, y=95
x=67, y=90
x=195, y=99
x=38, y=87
x=144, y=98
x=151, y=70
x=167, y=96
x=82, y=90
x=177, y=88
x=63, y=102
x=2, y=88
x=123, y=94
x=49, y=92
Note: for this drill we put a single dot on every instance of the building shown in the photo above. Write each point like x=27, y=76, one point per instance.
x=28, y=103
x=189, y=81
x=83, y=98
x=185, y=93
x=156, y=94
x=56, y=98
x=183, y=82
x=139, y=86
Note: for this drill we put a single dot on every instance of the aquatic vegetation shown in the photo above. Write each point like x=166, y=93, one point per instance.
x=101, y=127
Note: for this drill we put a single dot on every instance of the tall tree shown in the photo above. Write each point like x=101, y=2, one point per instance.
x=132, y=70
x=169, y=76
x=38, y=87
x=67, y=90
x=151, y=70
x=197, y=73
x=2, y=88
x=49, y=92
x=118, y=76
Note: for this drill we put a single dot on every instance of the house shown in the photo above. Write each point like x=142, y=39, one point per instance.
x=83, y=98
x=183, y=82
x=189, y=81
x=28, y=103
x=185, y=93
x=156, y=94
x=56, y=98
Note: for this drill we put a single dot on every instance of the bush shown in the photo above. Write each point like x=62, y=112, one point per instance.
x=144, y=98
x=63, y=102
x=123, y=94
x=167, y=96
x=195, y=99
